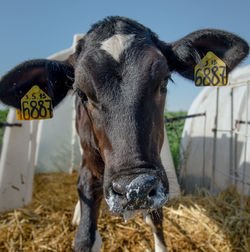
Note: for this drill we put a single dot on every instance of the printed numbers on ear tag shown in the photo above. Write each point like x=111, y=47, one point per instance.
x=35, y=105
x=211, y=71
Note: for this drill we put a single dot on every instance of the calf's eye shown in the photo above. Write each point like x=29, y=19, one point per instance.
x=82, y=95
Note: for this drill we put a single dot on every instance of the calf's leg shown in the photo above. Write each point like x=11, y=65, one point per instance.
x=154, y=220
x=90, y=192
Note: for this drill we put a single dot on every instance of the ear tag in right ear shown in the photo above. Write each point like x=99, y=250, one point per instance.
x=35, y=105
x=211, y=71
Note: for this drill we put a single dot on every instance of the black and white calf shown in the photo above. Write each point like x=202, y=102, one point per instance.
x=120, y=71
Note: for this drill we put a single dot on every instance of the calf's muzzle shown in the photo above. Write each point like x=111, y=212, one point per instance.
x=136, y=192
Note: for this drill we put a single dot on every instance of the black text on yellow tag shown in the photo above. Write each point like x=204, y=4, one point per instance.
x=211, y=71
x=35, y=104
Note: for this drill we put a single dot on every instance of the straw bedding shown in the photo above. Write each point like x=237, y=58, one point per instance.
x=191, y=223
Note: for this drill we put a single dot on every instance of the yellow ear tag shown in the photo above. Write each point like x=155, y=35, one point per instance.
x=211, y=71
x=35, y=104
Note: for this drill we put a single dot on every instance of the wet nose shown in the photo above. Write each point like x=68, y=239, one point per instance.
x=137, y=192
x=141, y=187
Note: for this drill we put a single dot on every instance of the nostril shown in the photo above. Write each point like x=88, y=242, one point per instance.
x=117, y=189
x=152, y=193
x=116, y=193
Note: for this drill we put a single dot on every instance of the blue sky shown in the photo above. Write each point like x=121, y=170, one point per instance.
x=36, y=29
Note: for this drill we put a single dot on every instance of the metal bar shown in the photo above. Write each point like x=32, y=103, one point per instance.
x=234, y=130
x=231, y=170
x=221, y=130
x=169, y=120
x=241, y=134
x=238, y=84
x=2, y=124
x=235, y=157
x=241, y=122
x=237, y=179
x=245, y=150
x=241, y=173
x=215, y=141
x=204, y=151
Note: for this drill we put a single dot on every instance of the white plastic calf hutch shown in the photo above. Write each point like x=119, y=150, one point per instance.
x=48, y=146
x=216, y=147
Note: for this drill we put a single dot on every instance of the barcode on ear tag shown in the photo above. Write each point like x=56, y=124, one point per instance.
x=211, y=71
x=35, y=105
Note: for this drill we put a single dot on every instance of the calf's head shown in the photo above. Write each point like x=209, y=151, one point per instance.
x=120, y=72
x=124, y=83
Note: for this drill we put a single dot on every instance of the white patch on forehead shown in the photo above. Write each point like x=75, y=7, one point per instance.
x=116, y=45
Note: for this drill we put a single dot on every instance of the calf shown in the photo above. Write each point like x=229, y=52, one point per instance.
x=120, y=71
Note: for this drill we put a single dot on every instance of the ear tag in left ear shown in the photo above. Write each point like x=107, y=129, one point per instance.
x=211, y=71
x=35, y=104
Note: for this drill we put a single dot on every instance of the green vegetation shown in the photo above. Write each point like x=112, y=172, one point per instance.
x=3, y=117
x=174, y=132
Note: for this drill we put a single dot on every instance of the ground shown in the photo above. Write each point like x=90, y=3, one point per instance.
x=192, y=223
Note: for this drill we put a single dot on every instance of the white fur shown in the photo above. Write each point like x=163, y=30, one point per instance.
x=77, y=214
x=159, y=247
x=117, y=44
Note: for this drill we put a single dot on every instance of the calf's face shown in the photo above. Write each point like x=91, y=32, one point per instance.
x=125, y=100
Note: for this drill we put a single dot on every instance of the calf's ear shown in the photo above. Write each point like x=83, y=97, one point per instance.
x=53, y=77
x=184, y=54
